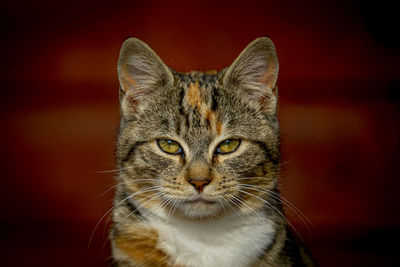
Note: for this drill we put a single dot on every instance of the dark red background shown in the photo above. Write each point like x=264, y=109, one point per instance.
x=339, y=96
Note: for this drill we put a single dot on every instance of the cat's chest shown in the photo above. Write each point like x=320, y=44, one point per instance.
x=227, y=242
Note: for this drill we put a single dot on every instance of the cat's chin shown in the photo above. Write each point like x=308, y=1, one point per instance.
x=199, y=208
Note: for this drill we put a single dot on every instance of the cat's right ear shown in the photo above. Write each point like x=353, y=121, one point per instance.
x=141, y=75
x=254, y=73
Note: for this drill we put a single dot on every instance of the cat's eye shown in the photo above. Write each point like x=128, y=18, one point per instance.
x=169, y=146
x=228, y=146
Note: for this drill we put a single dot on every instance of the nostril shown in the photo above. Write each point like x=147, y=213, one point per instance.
x=199, y=184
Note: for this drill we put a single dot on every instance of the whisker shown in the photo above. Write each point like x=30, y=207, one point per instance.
x=286, y=162
x=128, y=182
x=255, y=177
x=222, y=204
x=298, y=212
x=152, y=197
x=164, y=202
x=153, y=188
x=272, y=192
x=252, y=210
x=112, y=231
x=113, y=171
x=278, y=197
x=228, y=202
x=244, y=203
x=279, y=212
x=172, y=207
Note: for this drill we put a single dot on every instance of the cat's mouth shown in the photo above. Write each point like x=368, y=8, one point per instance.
x=199, y=199
x=199, y=206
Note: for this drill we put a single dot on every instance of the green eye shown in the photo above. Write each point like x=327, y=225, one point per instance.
x=228, y=146
x=169, y=146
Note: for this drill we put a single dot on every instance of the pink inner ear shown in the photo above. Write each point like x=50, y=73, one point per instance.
x=269, y=78
x=126, y=79
x=131, y=101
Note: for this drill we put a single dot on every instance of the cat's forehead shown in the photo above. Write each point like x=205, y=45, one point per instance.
x=204, y=79
x=198, y=102
x=199, y=89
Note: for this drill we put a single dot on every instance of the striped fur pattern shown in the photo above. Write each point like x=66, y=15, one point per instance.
x=160, y=218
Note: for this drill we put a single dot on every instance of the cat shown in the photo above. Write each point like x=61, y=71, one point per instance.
x=199, y=161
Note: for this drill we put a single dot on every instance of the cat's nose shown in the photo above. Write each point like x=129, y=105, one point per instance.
x=199, y=175
x=199, y=184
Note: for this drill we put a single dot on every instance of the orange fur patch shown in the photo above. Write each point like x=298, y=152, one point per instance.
x=195, y=98
x=139, y=244
x=194, y=95
x=218, y=127
x=210, y=116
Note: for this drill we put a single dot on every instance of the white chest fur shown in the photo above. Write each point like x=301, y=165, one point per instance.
x=231, y=241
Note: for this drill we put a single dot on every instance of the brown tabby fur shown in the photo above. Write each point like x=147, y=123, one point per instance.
x=198, y=110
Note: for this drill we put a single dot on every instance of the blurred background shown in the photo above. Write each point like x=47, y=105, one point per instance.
x=339, y=99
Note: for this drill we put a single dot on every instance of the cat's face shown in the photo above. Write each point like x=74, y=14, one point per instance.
x=199, y=144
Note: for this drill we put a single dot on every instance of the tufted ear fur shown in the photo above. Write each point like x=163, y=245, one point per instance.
x=141, y=75
x=254, y=74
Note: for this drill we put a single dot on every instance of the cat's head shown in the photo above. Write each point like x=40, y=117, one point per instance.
x=198, y=144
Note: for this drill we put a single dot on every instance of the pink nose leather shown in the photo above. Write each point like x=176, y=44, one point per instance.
x=199, y=184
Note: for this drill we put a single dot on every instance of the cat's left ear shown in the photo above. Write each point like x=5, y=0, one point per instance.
x=142, y=75
x=254, y=74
